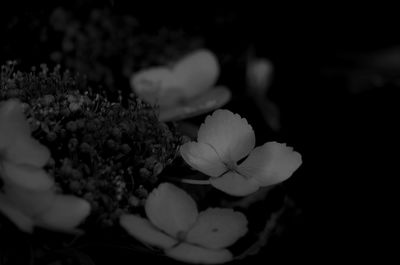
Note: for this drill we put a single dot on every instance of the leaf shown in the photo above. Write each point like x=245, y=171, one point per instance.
x=229, y=134
x=271, y=163
x=194, y=254
x=203, y=158
x=234, y=184
x=171, y=209
x=217, y=228
x=144, y=231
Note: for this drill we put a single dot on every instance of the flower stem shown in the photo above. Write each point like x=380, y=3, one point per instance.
x=191, y=181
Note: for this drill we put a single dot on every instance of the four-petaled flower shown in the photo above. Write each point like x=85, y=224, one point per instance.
x=181, y=231
x=223, y=140
x=28, y=195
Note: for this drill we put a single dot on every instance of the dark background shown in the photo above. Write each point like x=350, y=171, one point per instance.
x=334, y=112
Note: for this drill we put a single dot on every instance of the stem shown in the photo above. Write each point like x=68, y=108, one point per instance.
x=191, y=181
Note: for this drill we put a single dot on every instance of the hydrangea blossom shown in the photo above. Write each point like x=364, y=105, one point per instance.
x=187, y=88
x=28, y=195
x=223, y=140
x=175, y=225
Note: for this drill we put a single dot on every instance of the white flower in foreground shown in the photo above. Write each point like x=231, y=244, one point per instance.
x=27, y=196
x=226, y=138
x=176, y=226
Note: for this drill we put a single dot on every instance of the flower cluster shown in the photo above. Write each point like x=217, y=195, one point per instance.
x=68, y=154
x=106, y=152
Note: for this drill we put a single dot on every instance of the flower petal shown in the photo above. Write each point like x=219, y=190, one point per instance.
x=144, y=231
x=218, y=228
x=271, y=163
x=12, y=122
x=156, y=86
x=203, y=158
x=194, y=254
x=26, y=176
x=234, y=184
x=229, y=134
x=66, y=213
x=196, y=73
x=30, y=202
x=171, y=209
x=27, y=150
x=21, y=220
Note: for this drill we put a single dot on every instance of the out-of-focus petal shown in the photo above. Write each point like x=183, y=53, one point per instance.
x=12, y=122
x=30, y=202
x=194, y=254
x=203, y=158
x=217, y=228
x=152, y=84
x=229, y=134
x=271, y=163
x=235, y=184
x=21, y=220
x=66, y=213
x=26, y=176
x=144, y=231
x=196, y=73
x=27, y=150
x=171, y=209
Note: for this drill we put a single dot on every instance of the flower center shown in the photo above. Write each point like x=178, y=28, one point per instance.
x=231, y=166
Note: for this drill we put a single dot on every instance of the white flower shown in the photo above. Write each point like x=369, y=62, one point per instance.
x=187, y=88
x=28, y=197
x=176, y=226
x=223, y=140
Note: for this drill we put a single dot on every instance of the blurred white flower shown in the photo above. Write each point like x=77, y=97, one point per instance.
x=187, y=88
x=176, y=226
x=226, y=138
x=28, y=196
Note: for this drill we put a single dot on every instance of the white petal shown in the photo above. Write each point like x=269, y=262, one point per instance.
x=196, y=73
x=144, y=231
x=271, y=163
x=30, y=202
x=193, y=254
x=230, y=135
x=171, y=209
x=147, y=83
x=26, y=176
x=235, y=184
x=217, y=228
x=12, y=122
x=21, y=220
x=27, y=150
x=65, y=213
x=203, y=158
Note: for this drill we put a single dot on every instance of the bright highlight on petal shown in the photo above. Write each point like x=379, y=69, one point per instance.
x=203, y=158
x=271, y=163
x=171, y=209
x=194, y=254
x=218, y=228
x=229, y=134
